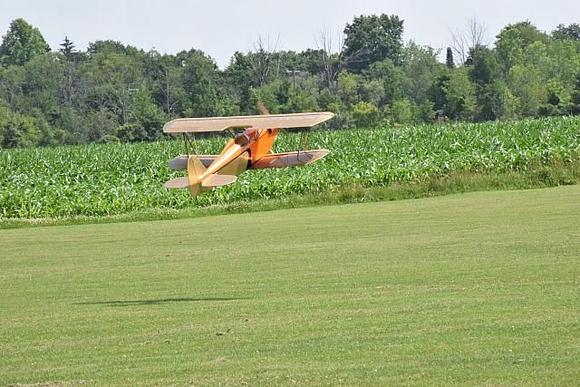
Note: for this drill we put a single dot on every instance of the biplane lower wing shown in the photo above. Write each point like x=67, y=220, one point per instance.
x=272, y=160
x=289, y=159
x=180, y=162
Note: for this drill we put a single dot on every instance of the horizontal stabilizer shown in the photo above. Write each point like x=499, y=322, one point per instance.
x=218, y=180
x=178, y=182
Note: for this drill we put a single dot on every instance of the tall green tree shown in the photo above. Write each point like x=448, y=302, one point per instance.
x=112, y=79
x=421, y=68
x=163, y=73
x=206, y=93
x=370, y=39
x=514, y=39
x=486, y=76
x=11, y=82
x=459, y=91
x=240, y=79
x=18, y=130
x=392, y=78
x=21, y=43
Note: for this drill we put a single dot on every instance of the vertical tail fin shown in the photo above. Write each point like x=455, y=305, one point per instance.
x=195, y=169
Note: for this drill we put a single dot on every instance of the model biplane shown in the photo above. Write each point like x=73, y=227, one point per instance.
x=250, y=147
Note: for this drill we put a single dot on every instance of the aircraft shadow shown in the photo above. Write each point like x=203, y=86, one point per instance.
x=158, y=301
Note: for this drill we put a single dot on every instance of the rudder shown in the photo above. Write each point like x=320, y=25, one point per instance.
x=195, y=169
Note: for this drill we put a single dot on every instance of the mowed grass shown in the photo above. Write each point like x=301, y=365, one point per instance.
x=478, y=288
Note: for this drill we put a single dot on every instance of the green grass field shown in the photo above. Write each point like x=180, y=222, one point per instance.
x=477, y=288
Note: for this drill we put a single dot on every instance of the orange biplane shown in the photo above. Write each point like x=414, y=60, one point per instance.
x=249, y=149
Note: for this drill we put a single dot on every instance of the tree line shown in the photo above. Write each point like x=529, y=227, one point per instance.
x=367, y=75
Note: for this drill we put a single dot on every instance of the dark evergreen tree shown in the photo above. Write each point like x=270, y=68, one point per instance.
x=449, y=58
x=67, y=48
x=570, y=32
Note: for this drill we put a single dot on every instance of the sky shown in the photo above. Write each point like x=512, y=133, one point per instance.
x=220, y=27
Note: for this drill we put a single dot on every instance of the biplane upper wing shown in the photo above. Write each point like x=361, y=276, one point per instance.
x=218, y=124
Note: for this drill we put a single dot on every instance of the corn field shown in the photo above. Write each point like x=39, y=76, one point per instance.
x=106, y=179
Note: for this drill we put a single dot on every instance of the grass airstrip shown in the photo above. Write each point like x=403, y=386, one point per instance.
x=475, y=288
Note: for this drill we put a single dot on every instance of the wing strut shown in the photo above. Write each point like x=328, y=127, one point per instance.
x=303, y=143
x=189, y=144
